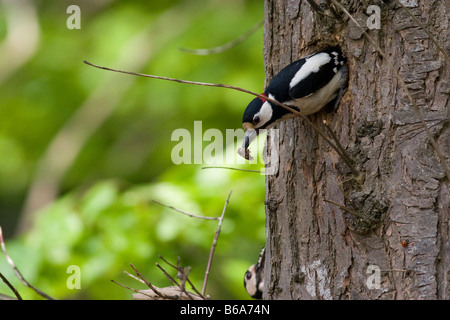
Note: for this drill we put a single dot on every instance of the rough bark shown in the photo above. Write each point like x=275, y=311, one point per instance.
x=318, y=250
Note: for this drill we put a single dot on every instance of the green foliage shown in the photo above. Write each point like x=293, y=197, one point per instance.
x=106, y=227
x=104, y=218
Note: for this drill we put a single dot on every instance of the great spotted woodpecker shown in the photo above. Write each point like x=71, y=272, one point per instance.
x=254, y=277
x=306, y=85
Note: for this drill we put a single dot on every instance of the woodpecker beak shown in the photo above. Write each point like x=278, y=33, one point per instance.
x=250, y=135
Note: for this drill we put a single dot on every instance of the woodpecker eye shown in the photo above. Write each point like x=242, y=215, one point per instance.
x=248, y=275
x=256, y=119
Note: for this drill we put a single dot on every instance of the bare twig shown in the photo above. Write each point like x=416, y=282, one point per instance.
x=404, y=87
x=213, y=247
x=338, y=144
x=182, y=270
x=141, y=276
x=226, y=46
x=219, y=85
x=17, y=272
x=340, y=206
x=134, y=277
x=151, y=286
x=170, y=264
x=171, y=279
x=231, y=168
x=181, y=273
x=14, y=290
x=444, y=52
x=179, y=285
x=132, y=289
x=185, y=212
x=344, y=208
x=341, y=188
x=167, y=293
x=206, y=84
x=195, y=289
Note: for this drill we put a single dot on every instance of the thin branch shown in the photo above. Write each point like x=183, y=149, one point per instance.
x=179, y=285
x=340, y=206
x=226, y=46
x=213, y=247
x=341, y=188
x=206, y=84
x=141, y=276
x=16, y=293
x=171, y=279
x=17, y=272
x=132, y=289
x=167, y=262
x=158, y=291
x=344, y=208
x=404, y=87
x=231, y=168
x=219, y=85
x=185, y=212
x=444, y=52
x=338, y=144
x=187, y=278
x=134, y=277
x=180, y=270
x=151, y=286
x=195, y=289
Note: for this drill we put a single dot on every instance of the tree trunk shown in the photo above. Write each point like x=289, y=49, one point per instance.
x=388, y=237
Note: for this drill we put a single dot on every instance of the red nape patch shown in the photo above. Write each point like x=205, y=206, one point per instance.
x=262, y=99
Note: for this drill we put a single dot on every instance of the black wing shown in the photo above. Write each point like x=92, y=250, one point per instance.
x=282, y=80
x=317, y=73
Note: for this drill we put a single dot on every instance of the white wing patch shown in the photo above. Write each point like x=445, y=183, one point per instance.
x=312, y=64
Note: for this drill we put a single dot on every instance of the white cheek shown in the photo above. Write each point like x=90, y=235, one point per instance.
x=265, y=114
x=251, y=287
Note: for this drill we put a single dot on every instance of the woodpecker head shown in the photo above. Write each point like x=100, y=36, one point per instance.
x=252, y=284
x=254, y=277
x=257, y=116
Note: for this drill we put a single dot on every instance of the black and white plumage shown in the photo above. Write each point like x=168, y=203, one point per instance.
x=254, y=277
x=306, y=85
